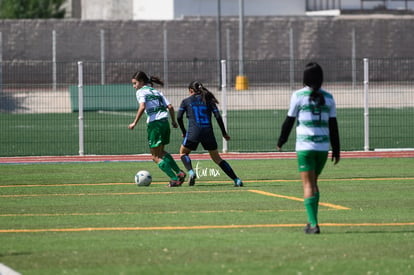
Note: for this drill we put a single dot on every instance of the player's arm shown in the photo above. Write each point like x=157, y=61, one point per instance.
x=140, y=111
x=180, y=116
x=220, y=123
x=334, y=137
x=285, y=131
x=172, y=115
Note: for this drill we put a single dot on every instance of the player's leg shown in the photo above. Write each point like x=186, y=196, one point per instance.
x=157, y=156
x=225, y=166
x=165, y=132
x=310, y=200
x=185, y=158
x=157, y=139
x=173, y=164
x=306, y=164
x=321, y=158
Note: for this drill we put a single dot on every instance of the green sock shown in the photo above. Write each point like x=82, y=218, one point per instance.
x=311, y=210
x=169, y=159
x=316, y=203
x=166, y=168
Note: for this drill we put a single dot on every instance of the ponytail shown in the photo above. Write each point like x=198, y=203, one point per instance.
x=313, y=78
x=199, y=89
x=155, y=79
x=142, y=77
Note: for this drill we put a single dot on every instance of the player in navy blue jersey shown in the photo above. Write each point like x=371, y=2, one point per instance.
x=199, y=107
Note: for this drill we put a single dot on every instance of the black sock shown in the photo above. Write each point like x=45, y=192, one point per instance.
x=227, y=169
x=187, y=162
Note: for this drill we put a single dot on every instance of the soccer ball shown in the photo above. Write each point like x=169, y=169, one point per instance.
x=143, y=178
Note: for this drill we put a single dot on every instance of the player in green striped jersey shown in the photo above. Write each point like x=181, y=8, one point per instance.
x=317, y=130
x=157, y=108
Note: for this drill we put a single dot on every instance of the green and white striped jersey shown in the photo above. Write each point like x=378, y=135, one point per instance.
x=312, y=131
x=155, y=103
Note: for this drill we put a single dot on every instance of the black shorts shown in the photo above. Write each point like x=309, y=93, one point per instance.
x=206, y=138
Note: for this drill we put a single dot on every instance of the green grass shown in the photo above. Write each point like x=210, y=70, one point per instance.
x=125, y=229
x=251, y=131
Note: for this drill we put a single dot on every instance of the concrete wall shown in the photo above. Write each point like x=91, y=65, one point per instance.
x=266, y=38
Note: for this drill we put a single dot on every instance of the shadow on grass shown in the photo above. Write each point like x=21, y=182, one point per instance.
x=11, y=254
x=10, y=104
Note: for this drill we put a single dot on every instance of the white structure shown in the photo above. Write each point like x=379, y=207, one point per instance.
x=177, y=9
x=109, y=9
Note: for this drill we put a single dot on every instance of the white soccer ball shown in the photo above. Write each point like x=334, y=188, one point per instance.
x=143, y=178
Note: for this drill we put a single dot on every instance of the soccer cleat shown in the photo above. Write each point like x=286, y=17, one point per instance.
x=191, y=180
x=181, y=176
x=312, y=230
x=174, y=183
x=238, y=183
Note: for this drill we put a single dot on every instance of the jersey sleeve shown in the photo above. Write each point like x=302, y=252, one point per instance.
x=140, y=96
x=217, y=115
x=164, y=99
x=294, y=106
x=180, y=115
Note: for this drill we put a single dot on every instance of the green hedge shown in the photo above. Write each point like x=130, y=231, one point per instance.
x=114, y=97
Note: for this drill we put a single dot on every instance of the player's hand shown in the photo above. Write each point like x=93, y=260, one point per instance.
x=335, y=159
x=174, y=124
x=226, y=137
x=131, y=126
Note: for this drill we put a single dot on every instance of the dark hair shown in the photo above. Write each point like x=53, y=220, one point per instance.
x=199, y=89
x=313, y=78
x=142, y=77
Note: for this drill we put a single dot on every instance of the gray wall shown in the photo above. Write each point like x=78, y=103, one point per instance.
x=266, y=38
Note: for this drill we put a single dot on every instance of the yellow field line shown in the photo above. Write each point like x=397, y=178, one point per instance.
x=338, y=207
x=151, y=213
x=233, y=226
x=120, y=194
x=221, y=181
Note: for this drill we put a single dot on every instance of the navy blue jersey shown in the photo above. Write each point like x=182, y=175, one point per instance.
x=199, y=114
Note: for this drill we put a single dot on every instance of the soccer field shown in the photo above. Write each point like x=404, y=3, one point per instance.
x=90, y=218
x=250, y=130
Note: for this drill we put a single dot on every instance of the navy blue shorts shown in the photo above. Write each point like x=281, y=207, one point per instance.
x=206, y=138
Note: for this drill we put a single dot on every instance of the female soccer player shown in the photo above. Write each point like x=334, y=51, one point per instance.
x=315, y=110
x=156, y=106
x=199, y=106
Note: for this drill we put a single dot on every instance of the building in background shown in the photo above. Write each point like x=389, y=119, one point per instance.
x=178, y=9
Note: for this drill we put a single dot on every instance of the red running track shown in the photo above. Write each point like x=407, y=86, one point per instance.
x=147, y=157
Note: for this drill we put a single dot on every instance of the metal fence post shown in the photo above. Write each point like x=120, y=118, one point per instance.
x=80, y=103
x=165, y=57
x=366, y=105
x=353, y=59
x=292, y=59
x=224, y=99
x=54, y=59
x=102, y=57
x=1, y=62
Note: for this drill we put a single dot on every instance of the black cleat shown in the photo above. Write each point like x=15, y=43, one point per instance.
x=238, y=183
x=174, y=183
x=191, y=180
x=312, y=230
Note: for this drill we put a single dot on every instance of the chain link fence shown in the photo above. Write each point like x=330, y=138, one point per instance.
x=39, y=110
